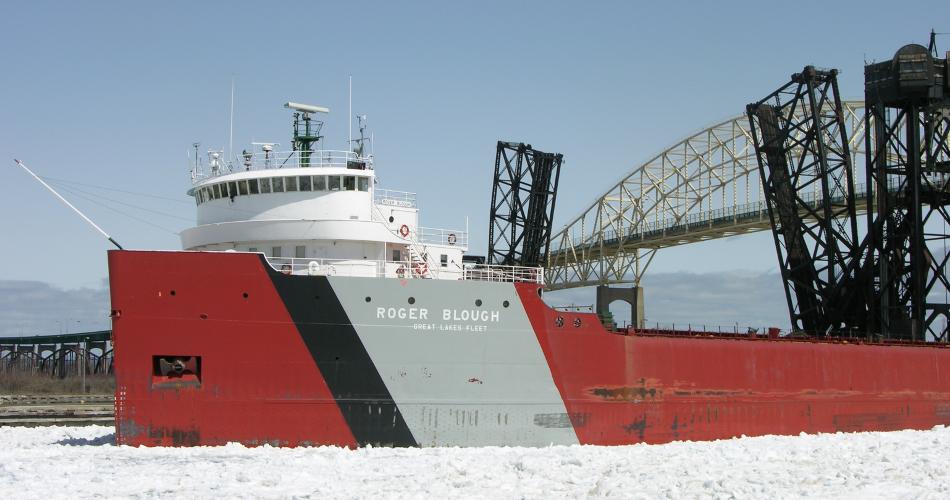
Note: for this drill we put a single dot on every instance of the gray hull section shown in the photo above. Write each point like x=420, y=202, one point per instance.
x=464, y=368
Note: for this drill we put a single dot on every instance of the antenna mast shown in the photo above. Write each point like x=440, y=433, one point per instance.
x=349, y=114
x=231, y=126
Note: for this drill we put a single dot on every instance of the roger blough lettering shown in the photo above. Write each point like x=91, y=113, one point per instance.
x=470, y=315
x=402, y=313
x=447, y=314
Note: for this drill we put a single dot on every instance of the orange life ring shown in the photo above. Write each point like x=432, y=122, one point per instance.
x=452, y=238
x=404, y=230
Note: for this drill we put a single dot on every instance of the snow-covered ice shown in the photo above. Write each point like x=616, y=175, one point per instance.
x=48, y=462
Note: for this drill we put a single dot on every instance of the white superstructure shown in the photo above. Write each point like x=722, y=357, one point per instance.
x=320, y=212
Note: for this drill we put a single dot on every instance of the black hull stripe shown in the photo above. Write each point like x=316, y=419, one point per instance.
x=366, y=404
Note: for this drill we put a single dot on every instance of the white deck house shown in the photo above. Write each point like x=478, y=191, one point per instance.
x=320, y=212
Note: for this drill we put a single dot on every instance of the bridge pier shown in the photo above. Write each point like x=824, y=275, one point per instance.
x=631, y=295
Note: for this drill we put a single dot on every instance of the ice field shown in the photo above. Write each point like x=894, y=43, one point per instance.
x=61, y=462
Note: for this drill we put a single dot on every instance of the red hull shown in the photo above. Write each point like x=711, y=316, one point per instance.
x=658, y=389
x=264, y=379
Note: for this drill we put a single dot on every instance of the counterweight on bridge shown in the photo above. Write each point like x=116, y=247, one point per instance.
x=802, y=149
x=522, y=204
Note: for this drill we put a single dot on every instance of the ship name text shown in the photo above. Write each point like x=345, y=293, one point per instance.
x=481, y=315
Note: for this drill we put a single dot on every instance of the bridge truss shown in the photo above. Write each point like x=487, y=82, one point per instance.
x=704, y=187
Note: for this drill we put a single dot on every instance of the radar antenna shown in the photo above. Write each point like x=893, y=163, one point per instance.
x=306, y=129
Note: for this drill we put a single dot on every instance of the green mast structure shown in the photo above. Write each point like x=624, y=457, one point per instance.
x=306, y=129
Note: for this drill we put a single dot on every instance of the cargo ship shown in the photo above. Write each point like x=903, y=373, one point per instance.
x=309, y=307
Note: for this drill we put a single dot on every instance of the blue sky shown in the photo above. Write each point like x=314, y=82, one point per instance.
x=112, y=95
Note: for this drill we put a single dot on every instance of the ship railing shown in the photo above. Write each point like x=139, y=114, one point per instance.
x=302, y=266
x=439, y=236
x=393, y=198
x=260, y=160
x=500, y=273
x=405, y=269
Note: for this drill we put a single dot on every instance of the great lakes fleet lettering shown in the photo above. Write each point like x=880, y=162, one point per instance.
x=453, y=320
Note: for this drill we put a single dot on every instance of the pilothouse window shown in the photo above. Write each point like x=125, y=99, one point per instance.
x=334, y=182
x=278, y=183
x=291, y=183
x=305, y=183
x=363, y=183
x=252, y=186
x=319, y=183
x=242, y=186
x=349, y=183
x=265, y=185
x=217, y=191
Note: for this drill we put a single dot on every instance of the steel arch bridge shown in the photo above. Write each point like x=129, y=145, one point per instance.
x=704, y=187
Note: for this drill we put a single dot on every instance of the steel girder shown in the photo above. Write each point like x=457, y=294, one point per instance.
x=802, y=146
x=524, y=192
x=909, y=104
x=703, y=187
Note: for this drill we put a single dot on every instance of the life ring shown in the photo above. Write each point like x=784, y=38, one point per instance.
x=452, y=238
x=313, y=268
x=404, y=230
x=401, y=271
x=420, y=268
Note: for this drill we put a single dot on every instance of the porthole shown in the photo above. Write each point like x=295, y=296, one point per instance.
x=577, y=322
x=478, y=302
x=368, y=299
x=412, y=300
x=559, y=321
x=244, y=295
x=505, y=303
x=391, y=218
x=172, y=293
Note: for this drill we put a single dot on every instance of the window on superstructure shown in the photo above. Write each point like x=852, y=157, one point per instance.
x=242, y=187
x=215, y=191
x=290, y=183
x=319, y=183
x=397, y=255
x=278, y=184
x=265, y=185
x=252, y=249
x=349, y=183
x=304, y=183
x=205, y=194
x=333, y=182
x=363, y=183
x=444, y=260
x=200, y=196
x=275, y=252
x=300, y=251
x=252, y=186
x=232, y=189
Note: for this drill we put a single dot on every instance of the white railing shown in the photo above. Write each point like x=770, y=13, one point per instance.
x=402, y=270
x=260, y=160
x=493, y=272
x=393, y=198
x=439, y=236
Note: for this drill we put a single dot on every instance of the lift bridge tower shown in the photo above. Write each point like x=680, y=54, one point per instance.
x=908, y=167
